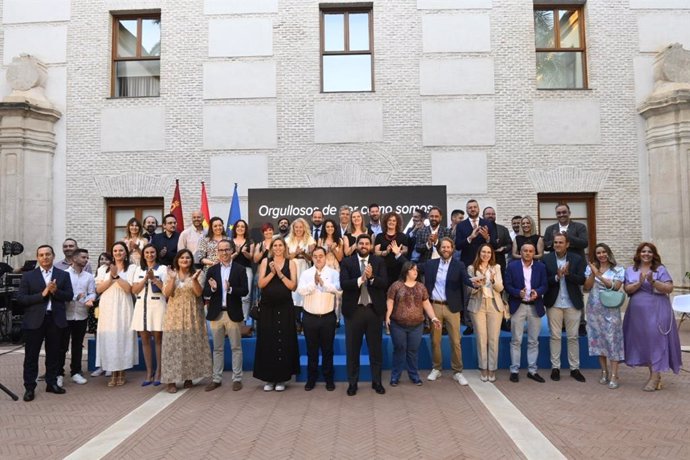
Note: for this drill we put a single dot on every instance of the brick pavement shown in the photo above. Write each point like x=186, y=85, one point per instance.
x=439, y=420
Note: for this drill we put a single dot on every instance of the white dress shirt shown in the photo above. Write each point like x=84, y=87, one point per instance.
x=47, y=276
x=319, y=300
x=527, y=274
x=82, y=283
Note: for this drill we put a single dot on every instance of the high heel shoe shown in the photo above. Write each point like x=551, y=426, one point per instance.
x=604, y=377
x=613, y=383
x=113, y=380
x=187, y=384
x=121, y=379
x=654, y=383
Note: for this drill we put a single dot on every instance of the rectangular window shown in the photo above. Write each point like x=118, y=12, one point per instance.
x=582, y=210
x=136, y=63
x=346, y=50
x=559, y=36
x=120, y=210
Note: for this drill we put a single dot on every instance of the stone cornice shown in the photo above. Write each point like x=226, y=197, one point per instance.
x=664, y=103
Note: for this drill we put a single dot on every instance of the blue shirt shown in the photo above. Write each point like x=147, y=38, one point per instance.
x=439, y=293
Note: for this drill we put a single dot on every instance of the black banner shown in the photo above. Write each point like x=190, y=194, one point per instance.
x=270, y=204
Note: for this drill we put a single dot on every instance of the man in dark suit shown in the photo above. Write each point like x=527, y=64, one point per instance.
x=445, y=279
x=504, y=244
x=470, y=234
x=363, y=280
x=577, y=232
x=167, y=241
x=564, y=304
x=43, y=293
x=526, y=285
x=429, y=237
x=226, y=284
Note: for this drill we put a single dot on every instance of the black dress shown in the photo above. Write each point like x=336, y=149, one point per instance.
x=277, y=354
x=534, y=239
x=393, y=266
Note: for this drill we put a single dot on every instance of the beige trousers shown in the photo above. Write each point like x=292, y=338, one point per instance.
x=571, y=317
x=452, y=322
x=487, y=329
x=221, y=327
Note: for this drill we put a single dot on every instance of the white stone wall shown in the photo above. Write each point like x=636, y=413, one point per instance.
x=454, y=103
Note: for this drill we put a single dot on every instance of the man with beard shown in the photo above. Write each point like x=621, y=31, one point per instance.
x=68, y=247
x=374, y=220
x=504, y=244
x=363, y=280
x=190, y=236
x=166, y=242
x=150, y=226
x=283, y=227
x=429, y=237
x=317, y=224
x=418, y=216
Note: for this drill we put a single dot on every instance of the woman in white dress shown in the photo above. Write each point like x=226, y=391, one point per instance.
x=149, y=310
x=116, y=347
x=300, y=244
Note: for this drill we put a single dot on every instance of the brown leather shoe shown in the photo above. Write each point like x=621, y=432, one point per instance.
x=236, y=385
x=212, y=386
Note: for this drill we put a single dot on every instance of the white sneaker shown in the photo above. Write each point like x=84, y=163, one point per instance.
x=433, y=375
x=97, y=373
x=280, y=386
x=60, y=380
x=79, y=379
x=458, y=377
x=269, y=387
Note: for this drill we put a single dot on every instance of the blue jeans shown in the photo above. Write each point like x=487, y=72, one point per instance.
x=406, y=341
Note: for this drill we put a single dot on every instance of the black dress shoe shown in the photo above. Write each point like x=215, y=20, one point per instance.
x=330, y=386
x=352, y=389
x=309, y=385
x=555, y=374
x=55, y=389
x=577, y=375
x=29, y=395
x=514, y=377
x=469, y=330
x=536, y=377
x=378, y=388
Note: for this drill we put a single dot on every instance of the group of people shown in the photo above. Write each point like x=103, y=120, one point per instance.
x=307, y=277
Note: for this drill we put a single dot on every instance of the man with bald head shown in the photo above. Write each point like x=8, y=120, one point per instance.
x=190, y=237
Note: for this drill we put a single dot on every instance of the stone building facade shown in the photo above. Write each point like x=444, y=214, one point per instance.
x=454, y=102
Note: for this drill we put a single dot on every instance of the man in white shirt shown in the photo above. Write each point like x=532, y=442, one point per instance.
x=84, y=289
x=319, y=285
x=190, y=236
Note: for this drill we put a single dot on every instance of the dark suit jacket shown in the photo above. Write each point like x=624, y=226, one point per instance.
x=240, y=288
x=455, y=278
x=29, y=296
x=423, y=236
x=577, y=234
x=350, y=271
x=503, y=242
x=514, y=282
x=469, y=250
x=573, y=281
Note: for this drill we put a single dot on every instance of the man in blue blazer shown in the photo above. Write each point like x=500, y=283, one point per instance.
x=226, y=284
x=526, y=284
x=445, y=278
x=43, y=293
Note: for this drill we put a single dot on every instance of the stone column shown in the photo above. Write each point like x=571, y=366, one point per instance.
x=667, y=114
x=27, y=146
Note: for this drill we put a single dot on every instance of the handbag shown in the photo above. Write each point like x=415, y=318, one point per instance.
x=611, y=298
x=255, y=311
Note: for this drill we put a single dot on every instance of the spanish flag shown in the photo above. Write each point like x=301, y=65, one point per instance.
x=204, y=206
x=176, y=207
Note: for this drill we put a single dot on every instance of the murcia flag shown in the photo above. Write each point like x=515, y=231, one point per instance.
x=176, y=207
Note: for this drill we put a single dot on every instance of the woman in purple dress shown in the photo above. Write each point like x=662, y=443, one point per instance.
x=649, y=327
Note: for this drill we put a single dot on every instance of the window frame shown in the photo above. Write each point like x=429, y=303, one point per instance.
x=555, y=8
x=138, y=204
x=346, y=11
x=114, y=59
x=588, y=198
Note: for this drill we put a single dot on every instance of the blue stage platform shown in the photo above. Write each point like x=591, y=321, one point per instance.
x=469, y=354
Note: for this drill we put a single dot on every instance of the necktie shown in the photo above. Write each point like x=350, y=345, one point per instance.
x=474, y=223
x=316, y=234
x=364, y=293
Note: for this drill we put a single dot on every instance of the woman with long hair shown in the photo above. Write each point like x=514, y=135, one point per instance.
x=186, y=353
x=147, y=283
x=276, y=358
x=134, y=240
x=207, y=252
x=116, y=347
x=332, y=242
x=243, y=256
x=357, y=228
x=604, y=325
x=528, y=233
x=299, y=244
x=649, y=328
x=392, y=231
x=486, y=307
x=407, y=302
